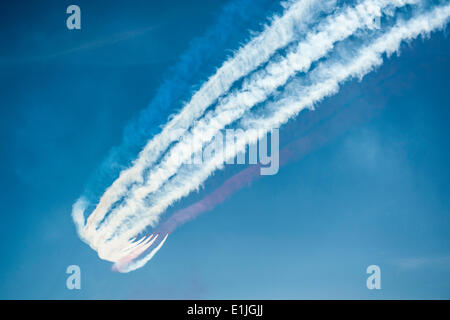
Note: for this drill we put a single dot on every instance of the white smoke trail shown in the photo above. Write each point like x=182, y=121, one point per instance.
x=331, y=76
x=282, y=31
x=327, y=78
x=255, y=90
x=141, y=262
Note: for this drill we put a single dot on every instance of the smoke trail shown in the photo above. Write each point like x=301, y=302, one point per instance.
x=330, y=71
x=254, y=90
x=368, y=58
x=297, y=95
x=281, y=32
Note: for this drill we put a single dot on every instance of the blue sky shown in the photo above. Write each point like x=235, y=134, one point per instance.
x=377, y=193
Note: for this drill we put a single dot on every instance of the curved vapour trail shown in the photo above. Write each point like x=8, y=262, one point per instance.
x=205, y=170
x=255, y=90
x=116, y=242
x=368, y=58
x=282, y=31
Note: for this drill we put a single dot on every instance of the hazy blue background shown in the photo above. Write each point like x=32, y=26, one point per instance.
x=377, y=194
